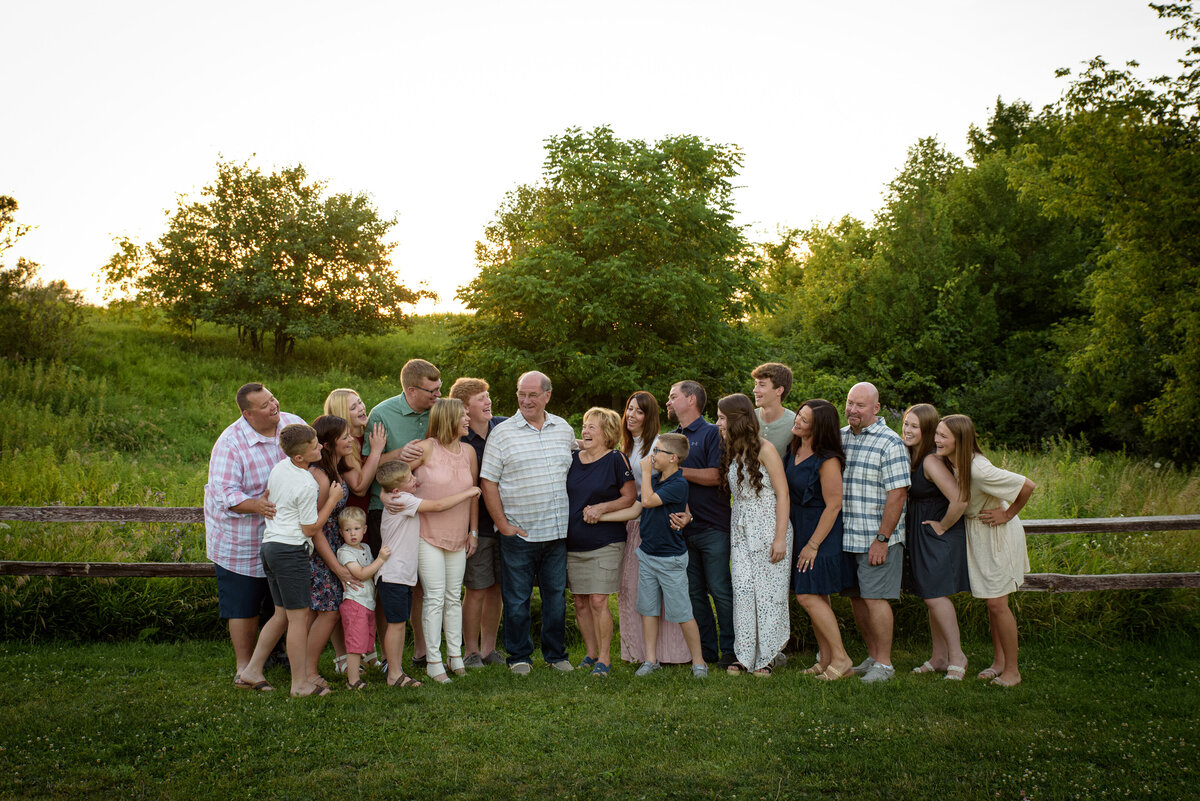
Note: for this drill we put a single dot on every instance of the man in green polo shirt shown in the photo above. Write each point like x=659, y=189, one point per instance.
x=405, y=418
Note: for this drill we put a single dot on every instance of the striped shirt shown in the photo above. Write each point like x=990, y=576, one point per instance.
x=529, y=467
x=876, y=463
x=238, y=470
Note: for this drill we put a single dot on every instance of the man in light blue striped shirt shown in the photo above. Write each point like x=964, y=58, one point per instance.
x=875, y=487
x=524, y=483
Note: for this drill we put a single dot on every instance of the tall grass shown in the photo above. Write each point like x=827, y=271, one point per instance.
x=131, y=419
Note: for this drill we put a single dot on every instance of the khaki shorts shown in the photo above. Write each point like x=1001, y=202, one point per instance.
x=483, y=566
x=595, y=572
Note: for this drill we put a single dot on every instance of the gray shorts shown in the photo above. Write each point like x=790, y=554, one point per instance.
x=879, y=581
x=288, y=574
x=595, y=572
x=483, y=566
x=663, y=587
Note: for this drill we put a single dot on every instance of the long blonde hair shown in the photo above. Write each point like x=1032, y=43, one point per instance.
x=337, y=403
x=965, y=447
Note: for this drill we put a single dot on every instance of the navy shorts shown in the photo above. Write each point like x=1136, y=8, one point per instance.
x=395, y=600
x=240, y=596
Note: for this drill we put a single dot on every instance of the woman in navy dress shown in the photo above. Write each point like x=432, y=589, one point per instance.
x=813, y=467
x=937, y=541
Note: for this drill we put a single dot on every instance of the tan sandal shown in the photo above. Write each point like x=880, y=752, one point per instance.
x=833, y=674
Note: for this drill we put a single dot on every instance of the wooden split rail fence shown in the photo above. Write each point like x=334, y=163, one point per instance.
x=1034, y=582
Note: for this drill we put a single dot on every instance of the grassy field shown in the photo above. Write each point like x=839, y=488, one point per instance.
x=1104, y=719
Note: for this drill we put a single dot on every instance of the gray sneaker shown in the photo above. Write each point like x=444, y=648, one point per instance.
x=494, y=658
x=780, y=660
x=473, y=661
x=521, y=668
x=649, y=667
x=699, y=671
x=877, y=673
x=862, y=667
x=561, y=665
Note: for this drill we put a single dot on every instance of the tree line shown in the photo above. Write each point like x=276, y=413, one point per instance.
x=1047, y=284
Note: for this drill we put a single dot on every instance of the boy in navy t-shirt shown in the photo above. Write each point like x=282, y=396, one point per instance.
x=663, y=555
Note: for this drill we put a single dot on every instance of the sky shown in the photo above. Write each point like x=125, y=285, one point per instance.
x=113, y=110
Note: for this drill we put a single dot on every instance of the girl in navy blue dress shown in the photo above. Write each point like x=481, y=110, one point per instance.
x=813, y=467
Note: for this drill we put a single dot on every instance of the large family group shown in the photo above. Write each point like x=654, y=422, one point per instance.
x=358, y=525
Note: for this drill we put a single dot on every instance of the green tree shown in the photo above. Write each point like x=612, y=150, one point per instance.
x=1129, y=160
x=269, y=254
x=621, y=269
x=40, y=318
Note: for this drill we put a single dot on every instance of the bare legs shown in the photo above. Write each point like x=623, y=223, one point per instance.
x=242, y=631
x=322, y=627
x=295, y=622
x=481, y=620
x=874, y=619
x=595, y=622
x=829, y=635
x=943, y=629
x=1004, y=640
x=691, y=635
x=393, y=649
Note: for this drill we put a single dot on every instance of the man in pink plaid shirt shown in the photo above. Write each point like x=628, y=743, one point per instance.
x=236, y=508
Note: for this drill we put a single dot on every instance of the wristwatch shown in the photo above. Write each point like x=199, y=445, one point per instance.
x=881, y=538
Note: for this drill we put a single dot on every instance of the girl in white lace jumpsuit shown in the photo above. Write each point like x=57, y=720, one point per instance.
x=760, y=537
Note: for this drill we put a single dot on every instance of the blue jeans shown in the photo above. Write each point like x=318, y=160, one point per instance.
x=520, y=562
x=708, y=574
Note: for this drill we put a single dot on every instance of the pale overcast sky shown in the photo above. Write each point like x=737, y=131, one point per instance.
x=113, y=109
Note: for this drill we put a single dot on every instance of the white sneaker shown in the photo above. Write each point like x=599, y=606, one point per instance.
x=521, y=668
x=877, y=673
x=863, y=666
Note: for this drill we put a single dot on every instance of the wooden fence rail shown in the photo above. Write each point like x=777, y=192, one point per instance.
x=1034, y=582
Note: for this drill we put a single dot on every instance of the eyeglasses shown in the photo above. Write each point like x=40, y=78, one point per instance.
x=528, y=395
x=657, y=451
x=435, y=392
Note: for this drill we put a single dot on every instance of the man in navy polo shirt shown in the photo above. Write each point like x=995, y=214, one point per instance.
x=707, y=532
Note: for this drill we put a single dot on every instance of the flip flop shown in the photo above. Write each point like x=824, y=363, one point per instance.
x=987, y=673
x=319, y=692
x=262, y=686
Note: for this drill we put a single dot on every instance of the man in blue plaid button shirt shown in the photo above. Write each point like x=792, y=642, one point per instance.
x=875, y=487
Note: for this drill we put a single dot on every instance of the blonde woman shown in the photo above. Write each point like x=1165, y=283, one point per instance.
x=446, y=467
x=599, y=481
x=997, y=560
x=358, y=472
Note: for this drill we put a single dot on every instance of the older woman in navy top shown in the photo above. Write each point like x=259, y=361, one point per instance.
x=599, y=481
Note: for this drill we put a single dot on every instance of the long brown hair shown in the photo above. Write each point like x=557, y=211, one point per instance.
x=650, y=424
x=329, y=428
x=927, y=420
x=826, y=433
x=966, y=445
x=742, y=441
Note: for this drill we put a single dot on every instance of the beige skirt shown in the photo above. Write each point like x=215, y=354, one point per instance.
x=595, y=572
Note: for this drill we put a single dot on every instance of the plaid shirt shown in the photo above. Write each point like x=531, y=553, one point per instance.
x=530, y=468
x=240, y=465
x=876, y=463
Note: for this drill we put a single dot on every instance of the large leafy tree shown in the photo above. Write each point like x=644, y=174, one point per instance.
x=1129, y=160
x=622, y=269
x=269, y=254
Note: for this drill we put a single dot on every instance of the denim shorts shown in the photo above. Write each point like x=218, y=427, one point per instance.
x=663, y=587
x=240, y=596
x=395, y=600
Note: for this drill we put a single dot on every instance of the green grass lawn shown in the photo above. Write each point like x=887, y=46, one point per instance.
x=1093, y=719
